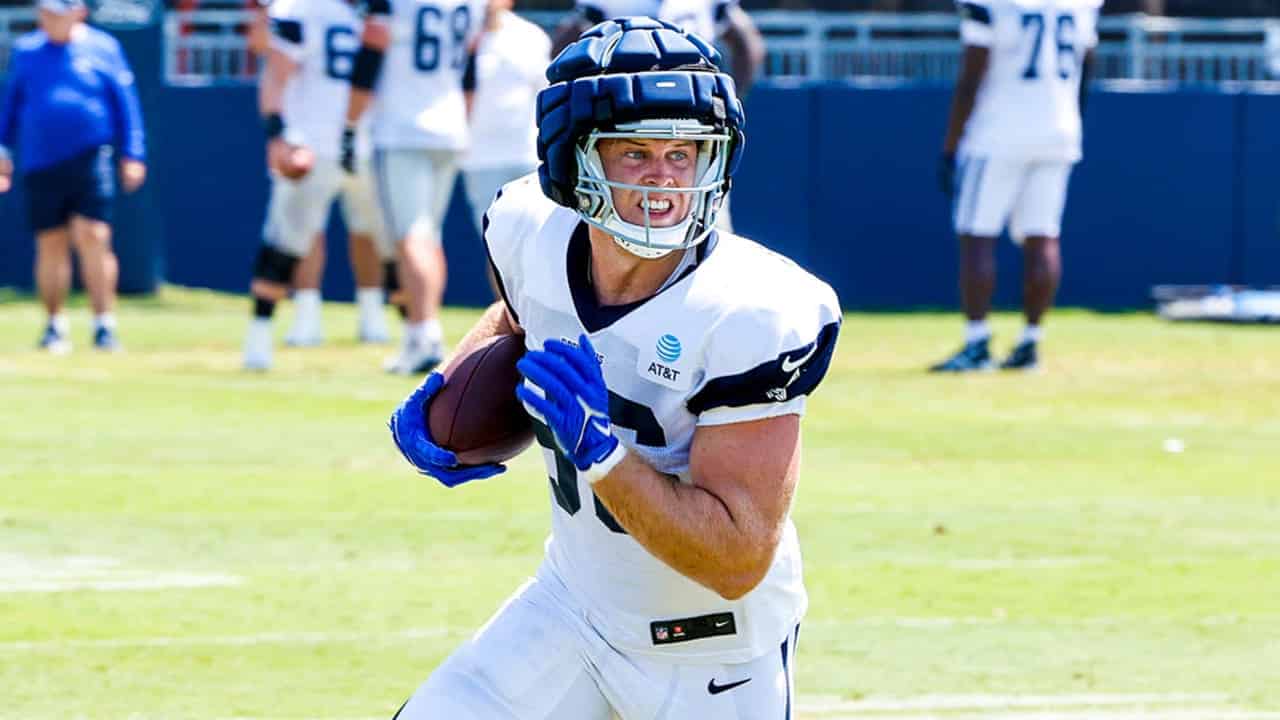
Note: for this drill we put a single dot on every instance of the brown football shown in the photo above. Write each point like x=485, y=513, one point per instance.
x=476, y=414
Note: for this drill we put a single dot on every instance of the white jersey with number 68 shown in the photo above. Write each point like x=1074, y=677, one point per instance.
x=1028, y=106
x=419, y=100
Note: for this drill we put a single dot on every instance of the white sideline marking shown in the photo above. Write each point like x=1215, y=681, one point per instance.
x=1083, y=714
x=1008, y=702
x=23, y=574
x=269, y=638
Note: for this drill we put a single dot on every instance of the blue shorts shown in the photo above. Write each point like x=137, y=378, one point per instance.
x=84, y=185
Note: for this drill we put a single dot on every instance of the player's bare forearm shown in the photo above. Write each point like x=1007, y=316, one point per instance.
x=746, y=45
x=722, y=529
x=357, y=103
x=274, y=78
x=259, y=36
x=493, y=322
x=1086, y=77
x=973, y=68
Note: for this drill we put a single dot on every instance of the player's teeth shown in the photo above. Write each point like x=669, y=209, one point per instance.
x=658, y=205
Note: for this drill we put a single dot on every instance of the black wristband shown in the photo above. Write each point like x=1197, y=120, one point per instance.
x=273, y=125
x=366, y=67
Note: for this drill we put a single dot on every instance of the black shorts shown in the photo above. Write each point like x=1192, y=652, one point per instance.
x=84, y=185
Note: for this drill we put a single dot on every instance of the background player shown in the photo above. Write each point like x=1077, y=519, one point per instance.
x=672, y=585
x=721, y=21
x=415, y=54
x=1013, y=137
x=511, y=59
x=301, y=95
x=366, y=267
x=70, y=101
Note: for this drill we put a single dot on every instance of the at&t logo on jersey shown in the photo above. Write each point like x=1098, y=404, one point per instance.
x=669, y=348
x=662, y=370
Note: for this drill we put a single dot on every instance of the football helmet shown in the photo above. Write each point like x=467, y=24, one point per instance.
x=638, y=78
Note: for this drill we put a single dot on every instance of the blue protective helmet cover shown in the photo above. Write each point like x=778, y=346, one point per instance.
x=624, y=71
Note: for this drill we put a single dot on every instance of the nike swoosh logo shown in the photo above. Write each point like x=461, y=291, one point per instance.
x=788, y=364
x=722, y=623
x=715, y=689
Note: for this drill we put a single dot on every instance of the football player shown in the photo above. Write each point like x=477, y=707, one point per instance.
x=367, y=267
x=511, y=60
x=666, y=383
x=409, y=72
x=301, y=95
x=712, y=20
x=1013, y=138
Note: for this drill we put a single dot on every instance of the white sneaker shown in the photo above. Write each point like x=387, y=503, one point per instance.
x=373, y=329
x=307, y=329
x=305, y=332
x=257, y=346
x=415, y=358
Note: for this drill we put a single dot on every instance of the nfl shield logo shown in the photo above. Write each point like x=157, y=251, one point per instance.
x=660, y=632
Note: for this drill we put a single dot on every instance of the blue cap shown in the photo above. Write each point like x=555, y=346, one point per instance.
x=60, y=6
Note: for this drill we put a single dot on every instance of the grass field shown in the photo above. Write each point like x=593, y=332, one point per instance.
x=179, y=539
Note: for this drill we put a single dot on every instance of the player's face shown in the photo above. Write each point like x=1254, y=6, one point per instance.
x=58, y=26
x=652, y=162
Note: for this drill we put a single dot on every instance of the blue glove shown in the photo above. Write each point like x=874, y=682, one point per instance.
x=574, y=402
x=413, y=438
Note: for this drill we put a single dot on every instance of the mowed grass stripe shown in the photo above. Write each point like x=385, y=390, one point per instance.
x=1004, y=535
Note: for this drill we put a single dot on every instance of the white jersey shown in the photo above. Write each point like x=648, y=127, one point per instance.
x=511, y=65
x=1028, y=106
x=322, y=37
x=705, y=18
x=708, y=349
x=419, y=99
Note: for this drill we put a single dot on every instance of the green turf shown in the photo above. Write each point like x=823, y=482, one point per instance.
x=999, y=534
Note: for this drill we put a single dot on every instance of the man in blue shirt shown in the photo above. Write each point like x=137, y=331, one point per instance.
x=71, y=106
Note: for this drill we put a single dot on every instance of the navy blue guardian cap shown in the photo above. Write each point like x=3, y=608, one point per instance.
x=638, y=78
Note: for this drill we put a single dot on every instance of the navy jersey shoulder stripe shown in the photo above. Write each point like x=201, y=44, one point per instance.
x=493, y=267
x=975, y=12
x=792, y=374
x=288, y=30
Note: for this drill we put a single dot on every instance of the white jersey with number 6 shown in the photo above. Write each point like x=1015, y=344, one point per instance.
x=419, y=99
x=321, y=37
x=709, y=349
x=1028, y=106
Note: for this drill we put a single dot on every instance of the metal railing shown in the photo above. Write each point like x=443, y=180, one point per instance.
x=208, y=47
x=926, y=48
